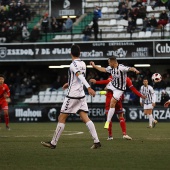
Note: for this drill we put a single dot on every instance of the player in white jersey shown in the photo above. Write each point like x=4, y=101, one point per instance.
x=75, y=101
x=119, y=72
x=148, y=103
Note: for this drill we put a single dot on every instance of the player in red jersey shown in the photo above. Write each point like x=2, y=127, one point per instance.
x=118, y=107
x=4, y=93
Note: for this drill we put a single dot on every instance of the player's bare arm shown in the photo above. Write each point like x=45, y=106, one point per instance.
x=92, y=81
x=134, y=70
x=65, y=86
x=91, y=92
x=167, y=103
x=101, y=69
x=153, y=104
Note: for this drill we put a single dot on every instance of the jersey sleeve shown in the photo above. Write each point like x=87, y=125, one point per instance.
x=74, y=68
x=103, y=81
x=124, y=68
x=108, y=69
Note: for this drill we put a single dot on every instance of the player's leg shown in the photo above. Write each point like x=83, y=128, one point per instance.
x=116, y=96
x=152, y=121
x=57, y=133
x=64, y=113
x=6, y=117
x=92, y=129
x=123, y=126
x=107, y=106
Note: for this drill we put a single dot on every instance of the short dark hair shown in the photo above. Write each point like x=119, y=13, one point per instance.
x=1, y=75
x=75, y=50
x=113, y=58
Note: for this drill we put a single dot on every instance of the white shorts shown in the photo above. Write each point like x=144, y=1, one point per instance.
x=147, y=106
x=71, y=105
x=116, y=92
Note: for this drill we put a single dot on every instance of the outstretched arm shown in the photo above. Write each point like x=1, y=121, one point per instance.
x=167, y=103
x=99, y=81
x=101, y=69
x=134, y=70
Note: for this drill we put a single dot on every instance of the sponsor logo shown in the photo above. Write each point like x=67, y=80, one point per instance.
x=3, y=52
x=92, y=53
x=118, y=53
x=52, y=114
x=163, y=49
x=140, y=52
x=28, y=114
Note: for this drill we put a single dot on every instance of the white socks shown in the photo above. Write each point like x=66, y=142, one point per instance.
x=151, y=119
x=110, y=114
x=57, y=133
x=92, y=130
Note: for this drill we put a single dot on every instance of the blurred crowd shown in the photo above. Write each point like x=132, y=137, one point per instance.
x=14, y=16
x=29, y=80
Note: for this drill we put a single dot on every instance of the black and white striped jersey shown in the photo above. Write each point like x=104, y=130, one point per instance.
x=149, y=92
x=119, y=75
x=75, y=88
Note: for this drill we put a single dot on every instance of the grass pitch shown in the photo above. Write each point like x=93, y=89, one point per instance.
x=20, y=148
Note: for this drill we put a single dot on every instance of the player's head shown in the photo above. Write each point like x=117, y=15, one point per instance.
x=75, y=51
x=112, y=61
x=145, y=81
x=2, y=78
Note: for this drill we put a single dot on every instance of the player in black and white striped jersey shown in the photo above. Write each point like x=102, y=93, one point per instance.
x=119, y=74
x=148, y=103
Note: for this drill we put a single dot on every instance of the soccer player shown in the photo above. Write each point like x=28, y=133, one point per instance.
x=118, y=107
x=4, y=93
x=167, y=103
x=118, y=83
x=75, y=101
x=148, y=103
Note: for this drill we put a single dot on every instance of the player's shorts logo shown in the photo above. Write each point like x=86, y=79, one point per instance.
x=3, y=52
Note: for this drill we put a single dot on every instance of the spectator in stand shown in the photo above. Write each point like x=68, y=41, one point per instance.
x=163, y=19
x=35, y=34
x=142, y=12
x=54, y=24
x=87, y=33
x=123, y=12
x=145, y=24
x=97, y=13
x=137, y=4
x=69, y=24
x=131, y=25
x=153, y=24
x=165, y=3
x=45, y=24
x=95, y=28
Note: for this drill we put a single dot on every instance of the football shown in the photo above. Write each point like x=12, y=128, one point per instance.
x=156, y=77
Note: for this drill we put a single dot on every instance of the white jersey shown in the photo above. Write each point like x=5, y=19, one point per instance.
x=75, y=89
x=119, y=75
x=149, y=92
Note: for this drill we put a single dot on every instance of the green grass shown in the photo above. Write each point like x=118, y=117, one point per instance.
x=20, y=148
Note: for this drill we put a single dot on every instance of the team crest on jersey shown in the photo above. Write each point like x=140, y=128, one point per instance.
x=3, y=52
